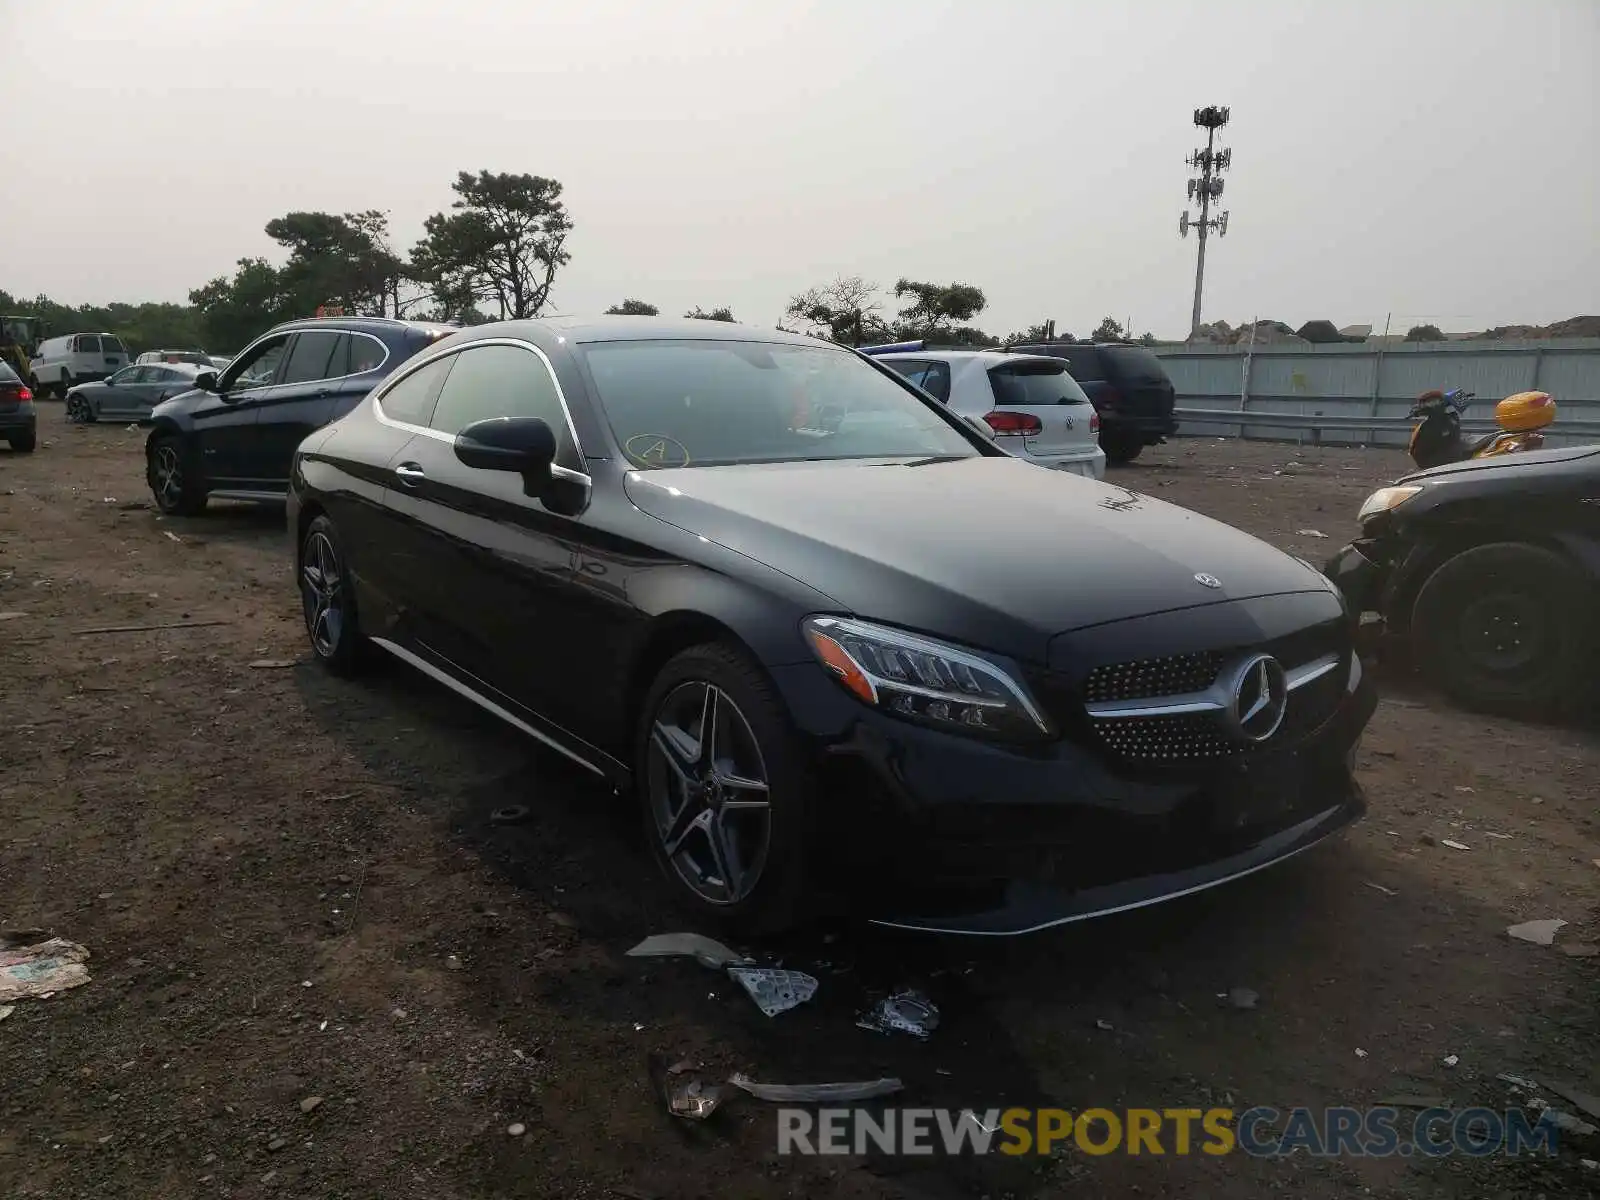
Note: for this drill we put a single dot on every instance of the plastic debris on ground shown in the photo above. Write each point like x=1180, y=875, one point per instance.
x=1316, y=533
x=687, y=1092
x=905, y=1011
x=706, y=951
x=1540, y=933
x=33, y=966
x=1450, y=1060
x=816, y=1093
x=775, y=991
x=6, y=1010
x=1454, y=845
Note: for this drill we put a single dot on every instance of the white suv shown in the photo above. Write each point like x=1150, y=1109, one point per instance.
x=1035, y=408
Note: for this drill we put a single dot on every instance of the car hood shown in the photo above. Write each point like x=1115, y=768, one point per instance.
x=993, y=552
x=1523, y=459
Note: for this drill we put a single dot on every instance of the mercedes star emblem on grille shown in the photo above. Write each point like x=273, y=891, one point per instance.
x=1259, y=698
x=1210, y=581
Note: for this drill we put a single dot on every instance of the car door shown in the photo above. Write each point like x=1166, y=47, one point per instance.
x=224, y=425
x=118, y=396
x=492, y=569
x=301, y=401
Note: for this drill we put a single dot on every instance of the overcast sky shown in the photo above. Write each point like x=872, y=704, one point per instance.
x=1434, y=159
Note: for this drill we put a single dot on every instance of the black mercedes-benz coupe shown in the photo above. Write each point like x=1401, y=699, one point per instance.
x=840, y=645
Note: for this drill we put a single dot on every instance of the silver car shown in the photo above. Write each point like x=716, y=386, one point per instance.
x=1034, y=408
x=131, y=393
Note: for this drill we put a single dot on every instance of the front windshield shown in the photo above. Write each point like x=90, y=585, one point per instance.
x=713, y=403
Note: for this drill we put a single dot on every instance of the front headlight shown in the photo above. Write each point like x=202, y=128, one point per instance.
x=925, y=681
x=1384, y=499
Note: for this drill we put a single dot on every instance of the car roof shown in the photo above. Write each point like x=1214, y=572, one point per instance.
x=359, y=325
x=994, y=356
x=633, y=329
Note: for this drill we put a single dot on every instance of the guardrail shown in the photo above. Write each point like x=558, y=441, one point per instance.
x=1247, y=420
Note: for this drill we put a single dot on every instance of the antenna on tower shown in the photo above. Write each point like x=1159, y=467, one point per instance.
x=1203, y=189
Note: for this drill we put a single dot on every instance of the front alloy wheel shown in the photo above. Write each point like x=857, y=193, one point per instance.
x=78, y=411
x=173, y=485
x=724, y=792
x=708, y=793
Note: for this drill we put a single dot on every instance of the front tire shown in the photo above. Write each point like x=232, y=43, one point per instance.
x=79, y=411
x=327, y=600
x=727, y=814
x=1501, y=628
x=173, y=479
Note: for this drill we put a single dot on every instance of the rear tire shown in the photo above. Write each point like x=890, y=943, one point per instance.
x=1501, y=628
x=702, y=811
x=24, y=443
x=1121, y=448
x=328, y=602
x=173, y=477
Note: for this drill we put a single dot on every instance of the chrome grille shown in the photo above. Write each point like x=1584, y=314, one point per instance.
x=1171, y=675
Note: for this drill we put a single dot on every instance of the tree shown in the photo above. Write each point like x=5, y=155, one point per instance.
x=935, y=307
x=1108, y=331
x=633, y=308
x=1425, y=333
x=716, y=314
x=845, y=310
x=339, y=260
x=1149, y=339
x=233, y=311
x=1036, y=333
x=504, y=242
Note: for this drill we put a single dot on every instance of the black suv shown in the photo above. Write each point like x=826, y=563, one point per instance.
x=235, y=435
x=1130, y=390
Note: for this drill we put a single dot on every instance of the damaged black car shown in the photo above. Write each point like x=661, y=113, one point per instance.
x=839, y=647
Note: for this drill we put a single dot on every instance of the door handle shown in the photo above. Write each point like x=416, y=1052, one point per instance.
x=410, y=473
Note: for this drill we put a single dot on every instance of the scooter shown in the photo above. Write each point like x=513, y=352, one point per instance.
x=1436, y=439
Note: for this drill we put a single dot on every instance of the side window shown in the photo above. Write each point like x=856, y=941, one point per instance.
x=1084, y=364
x=126, y=375
x=913, y=371
x=256, y=367
x=366, y=353
x=411, y=399
x=310, y=356
x=503, y=381
x=937, y=381
x=112, y=345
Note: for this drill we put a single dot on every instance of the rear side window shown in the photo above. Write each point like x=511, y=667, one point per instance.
x=86, y=343
x=1084, y=362
x=366, y=353
x=1026, y=384
x=412, y=399
x=931, y=377
x=502, y=381
x=310, y=356
x=1135, y=364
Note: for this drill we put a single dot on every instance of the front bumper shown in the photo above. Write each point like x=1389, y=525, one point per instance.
x=936, y=832
x=1361, y=574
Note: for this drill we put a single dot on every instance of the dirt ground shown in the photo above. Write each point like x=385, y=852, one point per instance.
x=291, y=888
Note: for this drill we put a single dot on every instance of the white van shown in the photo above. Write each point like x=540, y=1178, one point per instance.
x=77, y=358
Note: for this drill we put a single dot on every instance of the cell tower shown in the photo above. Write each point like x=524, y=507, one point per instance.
x=1203, y=189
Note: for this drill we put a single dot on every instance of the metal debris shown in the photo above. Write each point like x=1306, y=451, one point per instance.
x=905, y=1011
x=1540, y=933
x=37, y=969
x=1378, y=887
x=1454, y=845
x=1316, y=533
x=816, y=1093
x=706, y=951
x=775, y=991
x=1450, y=1060
x=1517, y=1081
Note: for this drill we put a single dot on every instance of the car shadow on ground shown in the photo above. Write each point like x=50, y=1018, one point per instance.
x=231, y=521
x=1153, y=1007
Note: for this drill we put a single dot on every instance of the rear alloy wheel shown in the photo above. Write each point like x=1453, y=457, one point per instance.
x=172, y=482
x=326, y=600
x=1501, y=628
x=1121, y=448
x=724, y=791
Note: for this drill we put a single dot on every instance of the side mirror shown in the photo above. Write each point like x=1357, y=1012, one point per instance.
x=206, y=381
x=525, y=445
